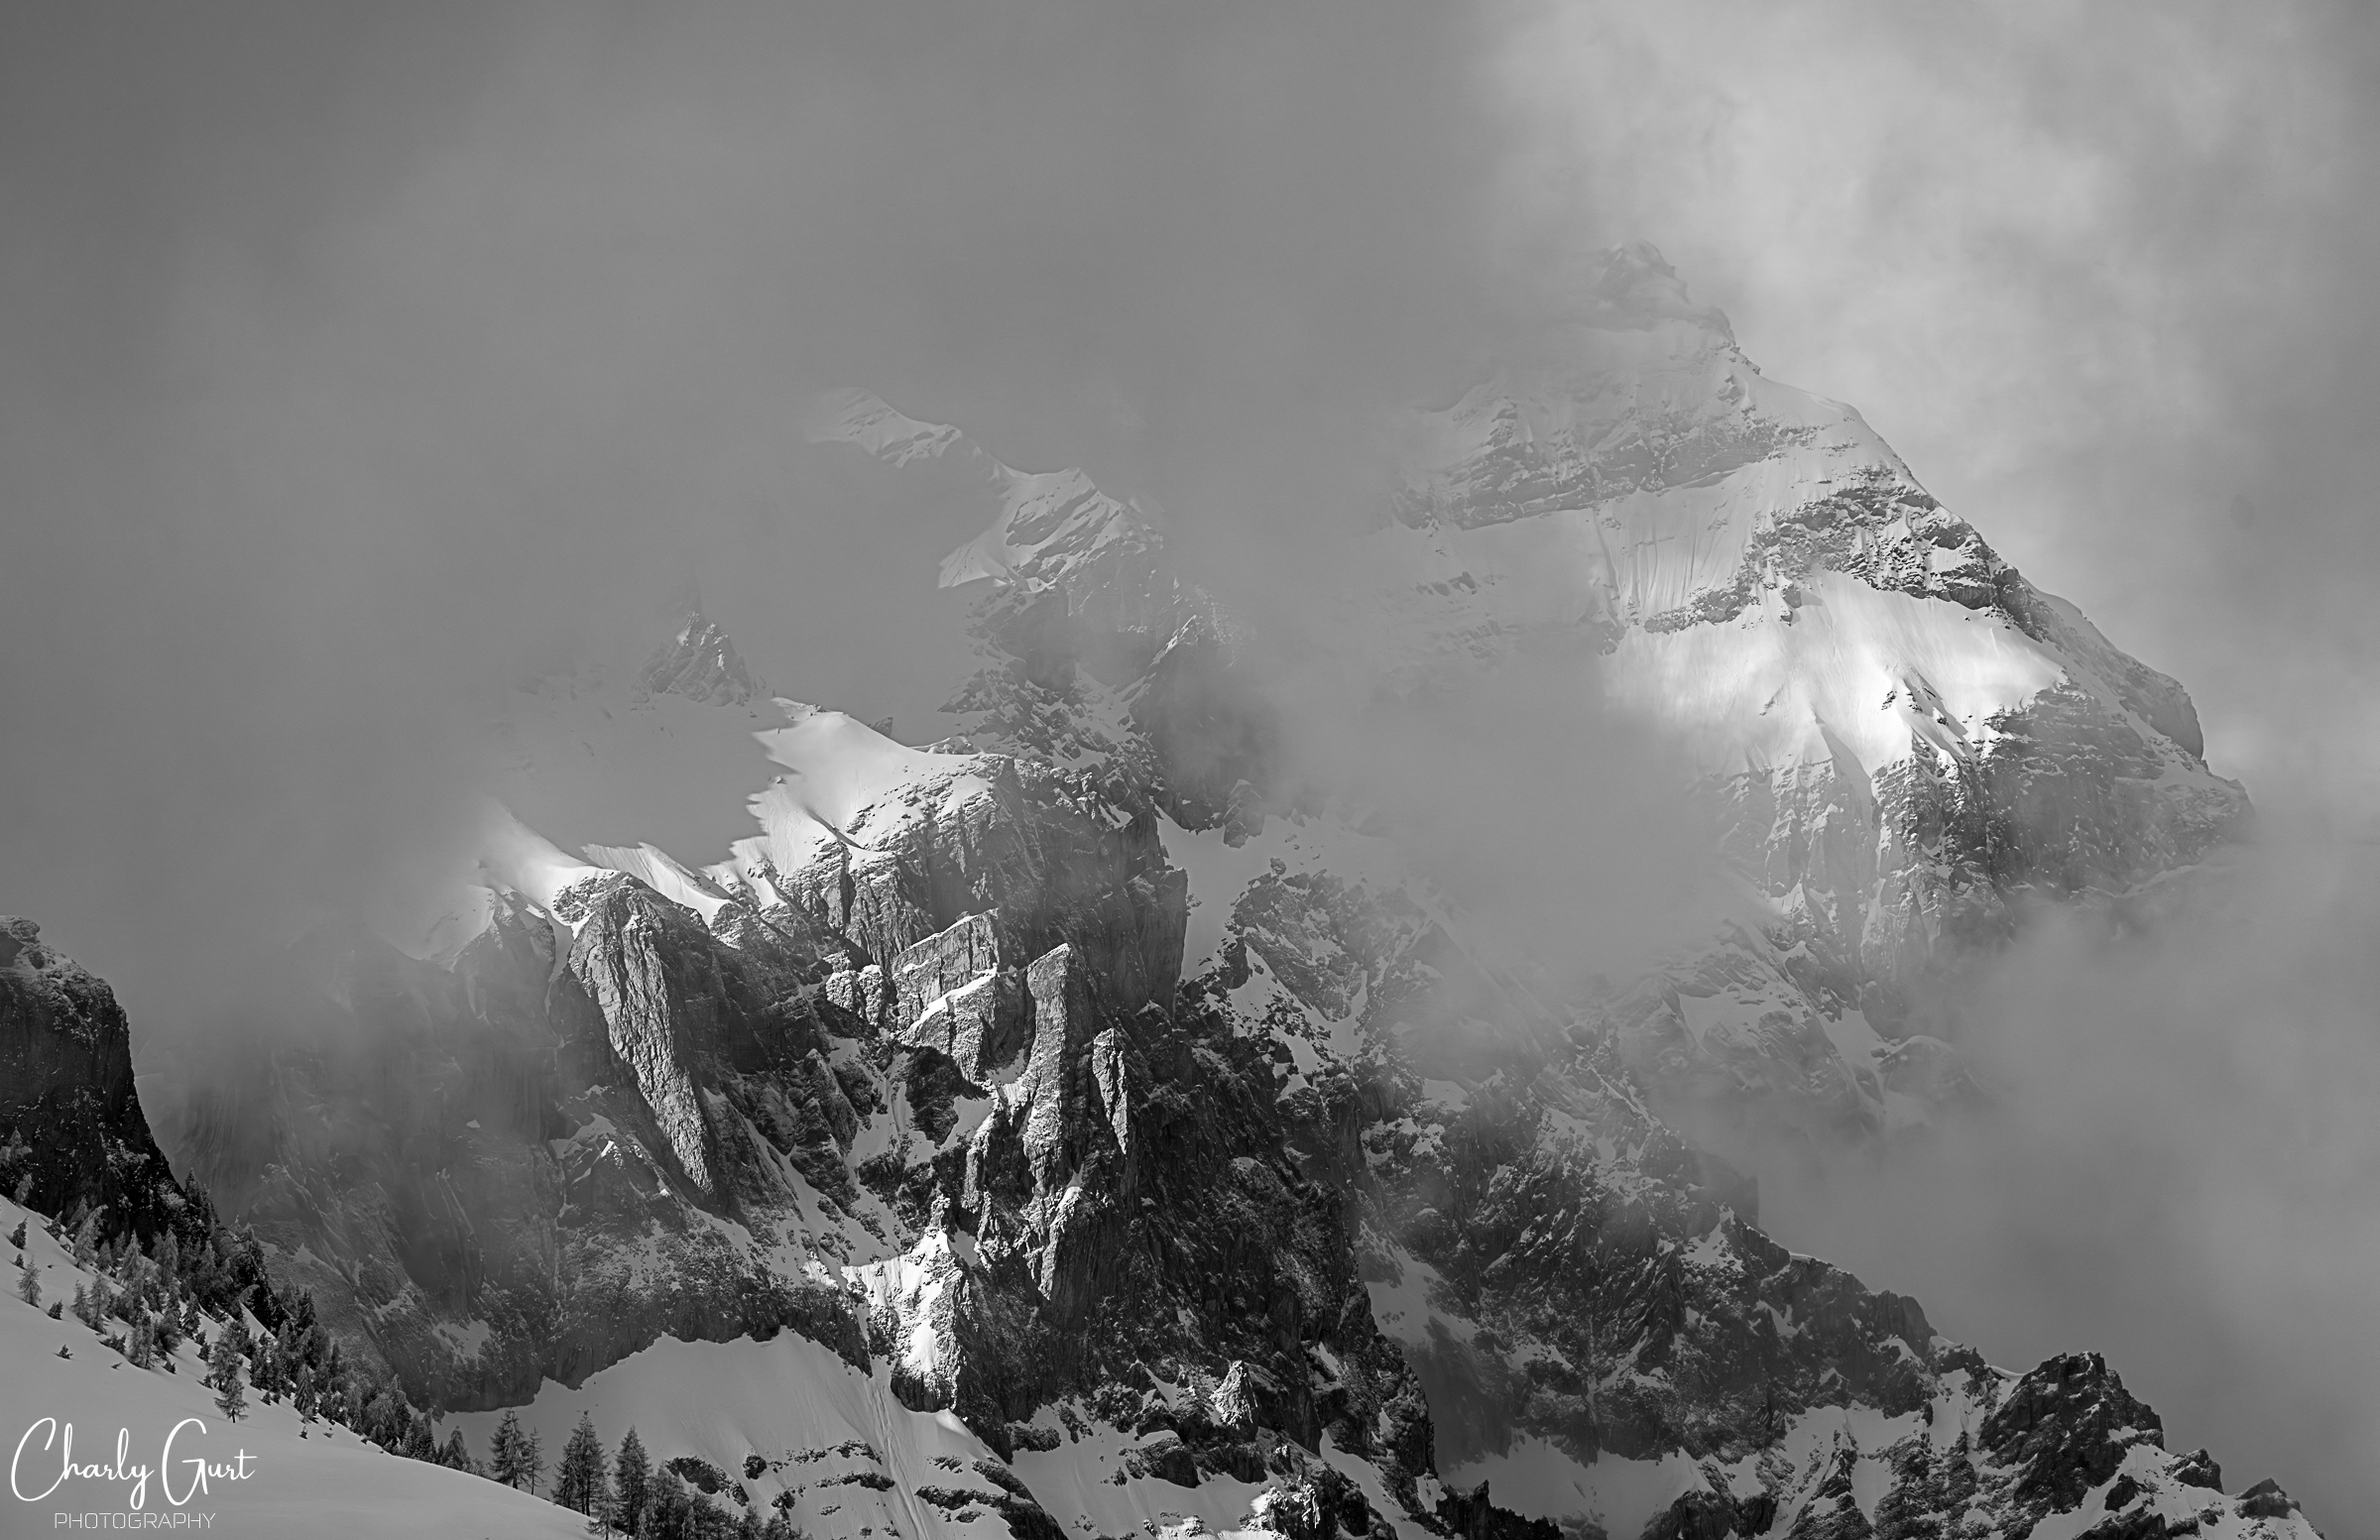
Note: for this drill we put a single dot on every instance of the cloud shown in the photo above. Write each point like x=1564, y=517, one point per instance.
x=2178, y=1168
x=2100, y=273
x=357, y=365
x=352, y=362
x=2094, y=270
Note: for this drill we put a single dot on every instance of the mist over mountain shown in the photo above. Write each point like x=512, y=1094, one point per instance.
x=1133, y=741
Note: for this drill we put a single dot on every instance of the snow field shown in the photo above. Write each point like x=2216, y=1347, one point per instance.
x=303, y=1482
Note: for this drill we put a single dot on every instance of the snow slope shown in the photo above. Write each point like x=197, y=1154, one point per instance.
x=817, y=1423
x=815, y=1420
x=842, y=782
x=302, y=1483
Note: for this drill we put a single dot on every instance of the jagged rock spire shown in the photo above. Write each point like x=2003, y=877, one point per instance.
x=700, y=661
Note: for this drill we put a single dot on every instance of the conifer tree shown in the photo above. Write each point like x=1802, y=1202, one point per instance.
x=86, y=1240
x=668, y=1508
x=579, y=1479
x=286, y=1357
x=605, y=1521
x=16, y=1236
x=507, y=1451
x=231, y=1399
x=233, y=1339
x=457, y=1454
x=259, y=1351
x=532, y=1459
x=631, y=1482
x=29, y=1281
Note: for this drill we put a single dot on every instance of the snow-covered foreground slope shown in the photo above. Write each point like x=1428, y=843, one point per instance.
x=270, y=1476
x=836, y=1449
x=831, y=1435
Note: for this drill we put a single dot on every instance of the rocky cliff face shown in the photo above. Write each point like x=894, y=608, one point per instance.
x=1903, y=741
x=1600, y=1328
x=614, y=1116
x=699, y=661
x=1083, y=1079
x=1275, y=1230
x=72, y=1135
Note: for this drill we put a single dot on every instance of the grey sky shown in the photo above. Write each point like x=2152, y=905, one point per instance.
x=352, y=356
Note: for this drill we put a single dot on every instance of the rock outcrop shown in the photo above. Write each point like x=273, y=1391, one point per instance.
x=699, y=661
x=1906, y=744
x=72, y=1135
x=1904, y=740
x=1329, y=1215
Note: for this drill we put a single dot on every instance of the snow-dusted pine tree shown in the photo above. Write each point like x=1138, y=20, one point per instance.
x=631, y=1481
x=504, y=1451
x=231, y=1394
x=579, y=1479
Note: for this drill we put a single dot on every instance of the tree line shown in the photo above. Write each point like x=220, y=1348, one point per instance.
x=196, y=1279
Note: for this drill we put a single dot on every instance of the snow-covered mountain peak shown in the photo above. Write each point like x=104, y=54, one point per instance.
x=1043, y=523
x=699, y=660
x=865, y=419
x=1062, y=552
x=1899, y=732
x=890, y=1060
x=1641, y=394
x=1636, y=289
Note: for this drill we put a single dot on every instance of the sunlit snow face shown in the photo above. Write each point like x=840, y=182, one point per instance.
x=427, y=342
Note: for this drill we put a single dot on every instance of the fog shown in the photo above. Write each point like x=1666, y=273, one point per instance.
x=356, y=361
x=2179, y=1168
x=2100, y=273
x=2102, y=276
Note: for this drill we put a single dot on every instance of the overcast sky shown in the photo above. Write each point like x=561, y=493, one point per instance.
x=351, y=356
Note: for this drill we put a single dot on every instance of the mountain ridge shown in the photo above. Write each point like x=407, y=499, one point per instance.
x=1328, y=1210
